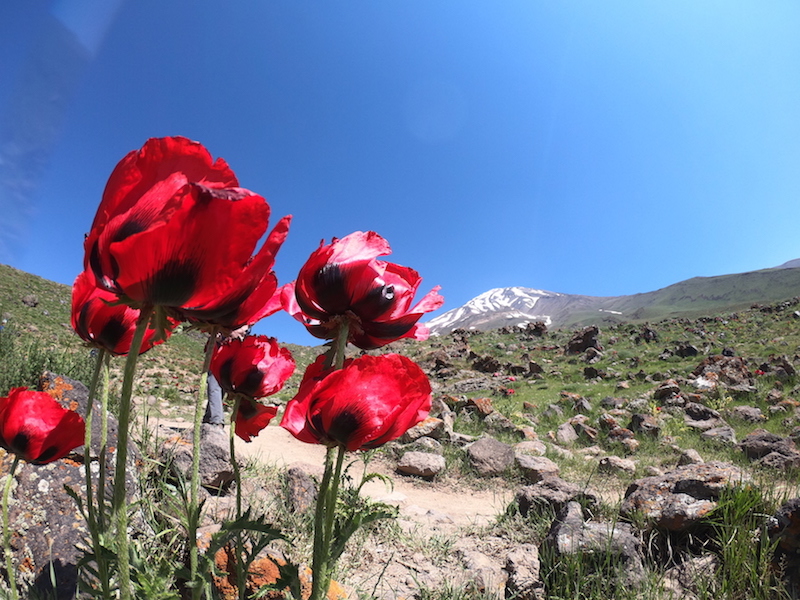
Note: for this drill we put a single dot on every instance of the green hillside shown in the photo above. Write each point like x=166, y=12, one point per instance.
x=697, y=297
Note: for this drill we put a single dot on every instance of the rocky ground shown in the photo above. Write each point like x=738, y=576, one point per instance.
x=615, y=451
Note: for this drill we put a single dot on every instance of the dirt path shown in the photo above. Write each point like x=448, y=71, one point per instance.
x=428, y=503
x=417, y=500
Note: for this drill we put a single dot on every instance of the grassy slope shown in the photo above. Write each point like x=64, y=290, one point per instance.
x=698, y=296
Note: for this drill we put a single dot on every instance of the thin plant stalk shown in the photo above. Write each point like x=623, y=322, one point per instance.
x=237, y=477
x=119, y=506
x=340, y=345
x=199, y=407
x=319, y=561
x=101, y=479
x=12, y=578
x=328, y=491
x=241, y=576
x=92, y=512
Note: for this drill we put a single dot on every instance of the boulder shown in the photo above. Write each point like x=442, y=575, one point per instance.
x=760, y=443
x=46, y=526
x=490, y=456
x=216, y=471
x=586, y=338
x=679, y=499
x=301, y=489
x=732, y=371
x=570, y=534
x=536, y=468
x=421, y=464
x=553, y=493
x=784, y=530
x=524, y=581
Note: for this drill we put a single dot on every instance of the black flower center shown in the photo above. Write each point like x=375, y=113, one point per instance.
x=173, y=284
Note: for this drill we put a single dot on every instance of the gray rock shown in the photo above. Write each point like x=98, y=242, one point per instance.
x=490, y=456
x=690, y=457
x=553, y=493
x=216, y=472
x=530, y=447
x=687, y=579
x=523, y=568
x=430, y=427
x=486, y=574
x=677, y=500
x=421, y=464
x=760, y=442
x=497, y=421
x=30, y=300
x=615, y=464
x=724, y=435
x=699, y=416
x=751, y=414
x=44, y=520
x=569, y=534
x=779, y=461
x=301, y=489
x=566, y=434
x=425, y=444
x=646, y=424
x=667, y=389
x=536, y=468
x=784, y=530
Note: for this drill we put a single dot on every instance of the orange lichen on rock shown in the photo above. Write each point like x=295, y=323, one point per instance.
x=263, y=571
x=56, y=388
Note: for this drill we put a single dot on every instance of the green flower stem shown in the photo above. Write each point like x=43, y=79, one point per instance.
x=321, y=552
x=119, y=506
x=241, y=576
x=91, y=511
x=234, y=463
x=101, y=481
x=328, y=495
x=194, y=501
x=341, y=344
x=12, y=577
x=325, y=514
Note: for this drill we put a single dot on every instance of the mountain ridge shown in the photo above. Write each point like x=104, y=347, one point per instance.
x=519, y=305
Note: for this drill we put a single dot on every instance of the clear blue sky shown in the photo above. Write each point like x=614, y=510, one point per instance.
x=599, y=148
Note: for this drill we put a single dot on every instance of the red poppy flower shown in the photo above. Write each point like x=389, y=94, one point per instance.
x=344, y=280
x=174, y=229
x=255, y=366
x=371, y=401
x=252, y=417
x=37, y=428
x=103, y=324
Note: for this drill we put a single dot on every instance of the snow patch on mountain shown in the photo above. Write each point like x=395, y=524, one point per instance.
x=517, y=304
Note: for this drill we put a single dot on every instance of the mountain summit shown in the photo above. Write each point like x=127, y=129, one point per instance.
x=510, y=306
x=518, y=306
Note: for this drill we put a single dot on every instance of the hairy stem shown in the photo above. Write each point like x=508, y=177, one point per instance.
x=119, y=505
x=12, y=577
x=92, y=512
x=194, y=500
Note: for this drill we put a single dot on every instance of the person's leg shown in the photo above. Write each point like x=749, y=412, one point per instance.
x=214, y=414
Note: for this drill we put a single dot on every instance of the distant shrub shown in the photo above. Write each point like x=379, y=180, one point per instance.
x=23, y=359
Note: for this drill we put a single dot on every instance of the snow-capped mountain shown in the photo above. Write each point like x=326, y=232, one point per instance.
x=509, y=306
x=698, y=296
